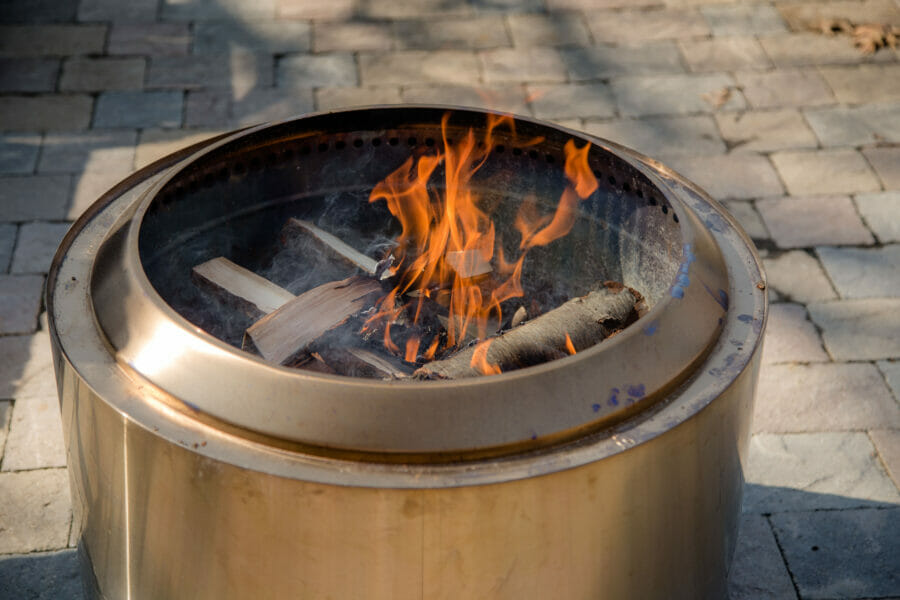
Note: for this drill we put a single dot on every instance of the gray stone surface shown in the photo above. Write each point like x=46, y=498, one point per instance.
x=838, y=171
x=548, y=30
x=156, y=143
x=36, y=245
x=601, y=62
x=662, y=136
x=270, y=104
x=641, y=26
x=5, y=414
x=329, y=98
x=408, y=9
x=863, y=329
x=8, y=232
x=799, y=277
x=748, y=218
x=509, y=98
x=215, y=10
x=38, y=197
x=90, y=185
x=757, y=570
x=152, y=39
x=842, y=554
x=857, y=125
x=791, y=336
x=43, y=576
x=674, y=94
x=801, y=222
x=35, y=436
x=207, y=108
x=865, y=83
x=237, y=70
x=100, y=74
x=815, y=471
x=133, y=110
x=784, y=87
x=352, y=36
x=87, y=151
x=116, y=10
x=20, y=302
x=886, y=162
x=28, y=74
x=315, y=9
x=891, y=372
x=488, y=31
x=26, y=369
x=419, y=67
x=568, y=100
x=800, y=13
x=724, y=54
x=219, y=38
x=823, y=397
x=320, y=70
x=731, y=176
x=35, y=510
x=743, y=19
x=863, y=272
x=765, y=131
x=47, y=112
x=810, y=48
x=887, y=443
x=531, y=64
x=38, y=11
x=51, y=40
x=19, y=152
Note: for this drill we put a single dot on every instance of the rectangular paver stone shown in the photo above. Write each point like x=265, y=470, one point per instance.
x=35, y=436
x=36, y=246
x=156, y=143
x=658, y=136
x=88, y=150
x=20, y=303
x=270, y=104
x=152, y=39
x=413, y=67
x=47, y=112
x=784, y=87
x=743, y=19
x=602, y=62
x=810, y=48
x=352, y=36
x=133, y=110
x=791, y=336
x=41, y=576
x=891, y=372
x=799, y=277
x=412, y=9
x=864, y=83
x=38, y=11
x=815, y=471
x=99, y=74
x=524, y=64
x=28, y=74
x=864, y=329
x=572, y=101
x=217, y=10
x=674, y=94
x=801, y=13
x=38, y=197
x=508, y=98
x=51, y=40
x=823, y=397
x=340, y=97
x=90, y=185
x=641, y=26
x=887, y=443
x=488, y=31
x=837, y=171
x=886, y=162
x=748, y=218
x=548, y=30
x=116, y=10
x=757, y=571
x=237, y=70
x=856, y=126
x=8, y=233
x=729, y=176
x=35, y=509
x=802, y=222
x=19, y=152
x=881, y=212
x=315, y=9
x=842, y=554
x=863, y=272
x=278, y=37
x=724, y=54
x=26, y=368
x=320, y=70
x=765, y=131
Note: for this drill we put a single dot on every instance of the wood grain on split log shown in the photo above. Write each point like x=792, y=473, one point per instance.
x=254, y=294
x=339, y=248
x=281, y=335
x=586, y=320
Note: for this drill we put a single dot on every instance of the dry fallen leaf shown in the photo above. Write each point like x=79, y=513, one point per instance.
x=718, y=97
x=871, y=37
x=831, y=26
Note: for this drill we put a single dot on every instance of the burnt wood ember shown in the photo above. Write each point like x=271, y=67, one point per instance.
x=255, y=295
x=585, y=321
x=283, y=334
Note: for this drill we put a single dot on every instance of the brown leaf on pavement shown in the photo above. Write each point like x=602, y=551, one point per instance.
x=871, y=37
x=718, y=97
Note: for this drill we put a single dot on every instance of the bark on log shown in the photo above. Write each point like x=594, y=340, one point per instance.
x=253, y=294
x=586, y=320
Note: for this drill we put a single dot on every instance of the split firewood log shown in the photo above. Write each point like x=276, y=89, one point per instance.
x=580, y=322
x=254, y=295
x=338, y=248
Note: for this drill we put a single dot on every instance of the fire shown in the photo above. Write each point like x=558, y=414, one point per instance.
x=570, y=347
x=480, y=361
x=448, y=250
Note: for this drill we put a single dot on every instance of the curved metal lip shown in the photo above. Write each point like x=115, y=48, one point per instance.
x=393, y=407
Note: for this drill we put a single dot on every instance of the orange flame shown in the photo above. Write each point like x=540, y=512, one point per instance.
x=570, y=347
x=480, y=361
x=448, y=250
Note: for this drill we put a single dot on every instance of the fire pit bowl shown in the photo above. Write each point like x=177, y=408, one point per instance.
x=200, y=470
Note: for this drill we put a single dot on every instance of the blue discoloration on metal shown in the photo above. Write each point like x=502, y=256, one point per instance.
x=682, y=280
x=745, y=318
x=596, y=407
x=614, y=397
x=193, y=407
x=636, y=391
x=651, y=327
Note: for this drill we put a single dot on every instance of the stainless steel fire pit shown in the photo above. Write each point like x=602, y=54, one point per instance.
x=200, y=471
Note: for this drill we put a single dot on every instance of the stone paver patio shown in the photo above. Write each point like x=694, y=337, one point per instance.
x=797, y=132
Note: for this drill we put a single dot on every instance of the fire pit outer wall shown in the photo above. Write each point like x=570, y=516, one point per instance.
x=199, y=471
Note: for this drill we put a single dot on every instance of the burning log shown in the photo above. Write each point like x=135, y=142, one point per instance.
x=288, y=331
x=581, y=321
x=255, y=295
x=339, y=248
